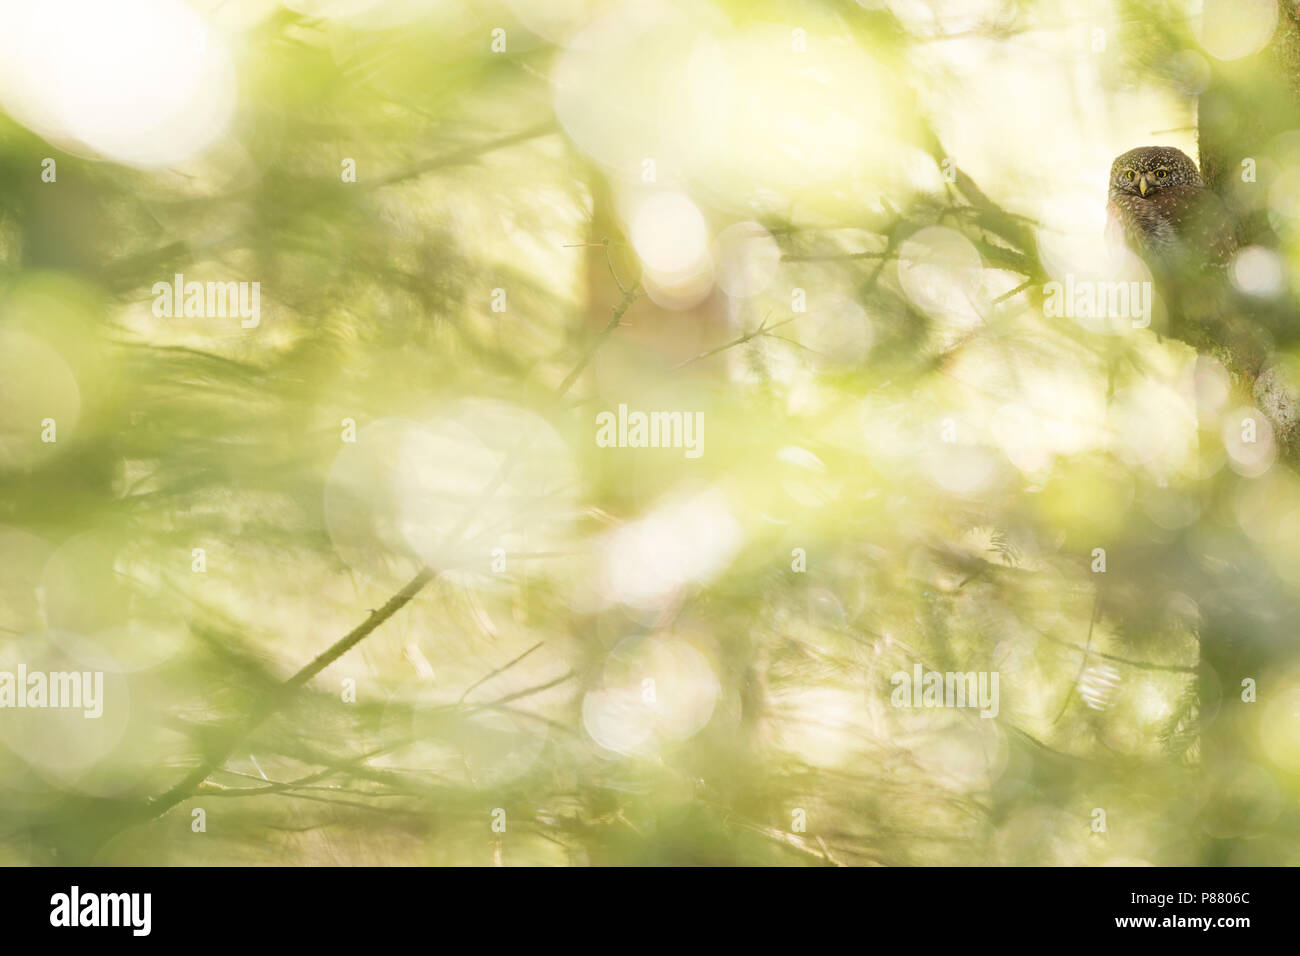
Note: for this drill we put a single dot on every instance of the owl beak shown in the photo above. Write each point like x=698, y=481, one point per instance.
x=1142, y=185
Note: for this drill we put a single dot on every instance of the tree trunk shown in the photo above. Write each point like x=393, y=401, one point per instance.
x=1244, y=110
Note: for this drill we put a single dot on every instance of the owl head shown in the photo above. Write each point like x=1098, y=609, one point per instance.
x=1151, y=168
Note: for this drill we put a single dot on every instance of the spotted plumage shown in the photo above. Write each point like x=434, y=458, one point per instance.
x=1162, y=210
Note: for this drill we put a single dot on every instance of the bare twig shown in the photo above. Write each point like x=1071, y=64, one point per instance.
x=273, y=702
x=504, y=667
x=835, y=257
x=763, y=329
x=1083, y=663
x=619, y=311
x=465, y=155
x=1127, y=661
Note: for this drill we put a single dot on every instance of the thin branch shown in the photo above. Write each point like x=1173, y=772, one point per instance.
x=615, y=320
x=504, y=667
x=528, y=692
x=605, y=244
x=1128, y=661
x=835, y=257
x=465, y=155
x=763, y=329
x=1083, y=664
x=128, y=266
x=274, y=701
x=1014, y=292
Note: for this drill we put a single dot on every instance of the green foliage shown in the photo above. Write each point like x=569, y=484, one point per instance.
x=324, y=700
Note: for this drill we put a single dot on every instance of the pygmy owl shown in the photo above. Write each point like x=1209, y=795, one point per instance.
x=1160, y=208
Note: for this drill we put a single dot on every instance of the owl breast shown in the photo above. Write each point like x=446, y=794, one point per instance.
x=1179, y=226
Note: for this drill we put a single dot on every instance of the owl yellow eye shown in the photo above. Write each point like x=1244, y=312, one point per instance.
x=1131, y=175
x=1161, y=173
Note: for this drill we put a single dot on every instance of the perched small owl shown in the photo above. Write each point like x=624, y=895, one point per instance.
x=1161, y=210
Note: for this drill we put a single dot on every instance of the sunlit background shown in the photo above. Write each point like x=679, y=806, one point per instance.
x=824, y=227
